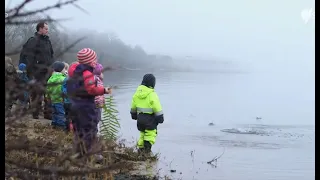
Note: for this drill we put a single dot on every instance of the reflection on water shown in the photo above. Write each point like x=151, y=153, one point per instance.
x=243, y=131
x=232, y=102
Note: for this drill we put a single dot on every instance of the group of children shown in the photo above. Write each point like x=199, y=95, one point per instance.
x=56, y=91
x=57, y=94
x=76, y=95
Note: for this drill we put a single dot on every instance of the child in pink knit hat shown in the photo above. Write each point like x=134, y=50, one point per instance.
x=82, y=89
x=99, y=100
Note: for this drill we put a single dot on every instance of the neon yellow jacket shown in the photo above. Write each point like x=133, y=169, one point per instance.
x=146, y=101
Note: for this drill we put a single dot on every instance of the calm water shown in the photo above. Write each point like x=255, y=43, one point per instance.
x=280, y=146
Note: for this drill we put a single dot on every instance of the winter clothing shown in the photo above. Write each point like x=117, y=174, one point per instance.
x=82, y=89
x=99, y=111
x=22, y=67
x=55, y=88
x=24, y=79
x=37, y=54
x=55, y=94
x=67, y=103
x=98, y=69
x=149, y=80
x=147, y=110
x=68, y=115
x=86, y=56
x=22, y=73
x=72, y=68
x=58, y=115
x=99, y=100
x=58, y=66
x=66, y=100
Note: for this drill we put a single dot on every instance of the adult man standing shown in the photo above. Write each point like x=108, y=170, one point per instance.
x=37, y=54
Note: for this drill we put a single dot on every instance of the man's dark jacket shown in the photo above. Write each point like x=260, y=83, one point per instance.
x=37, y=54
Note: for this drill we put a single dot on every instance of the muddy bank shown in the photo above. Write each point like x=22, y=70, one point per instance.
x=35, y=149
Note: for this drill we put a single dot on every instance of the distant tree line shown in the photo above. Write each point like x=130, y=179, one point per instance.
x=112, y=51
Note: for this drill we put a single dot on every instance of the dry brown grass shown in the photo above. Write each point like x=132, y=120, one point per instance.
x=41, y=152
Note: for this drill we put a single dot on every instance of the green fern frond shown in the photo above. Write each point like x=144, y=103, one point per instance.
x=110, y=125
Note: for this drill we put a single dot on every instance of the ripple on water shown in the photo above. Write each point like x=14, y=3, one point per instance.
x=223, y=141
x=244, y=131
x=293, y=133
x=260, y=137
x=249, y=144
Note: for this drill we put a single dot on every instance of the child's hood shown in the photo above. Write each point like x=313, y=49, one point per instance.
x=143, y=91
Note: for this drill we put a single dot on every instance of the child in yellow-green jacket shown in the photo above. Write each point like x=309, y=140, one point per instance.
x=146, y=109
x=56, y=95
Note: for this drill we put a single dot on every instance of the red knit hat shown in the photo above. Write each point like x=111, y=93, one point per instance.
x=86, y=56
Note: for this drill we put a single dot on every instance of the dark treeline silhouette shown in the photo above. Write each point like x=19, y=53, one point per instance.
x=112, y=51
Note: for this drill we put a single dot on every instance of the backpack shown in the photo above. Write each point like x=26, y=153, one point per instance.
x=23, y=57
x=75, y=86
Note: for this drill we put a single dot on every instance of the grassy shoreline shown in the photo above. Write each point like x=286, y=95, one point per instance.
x=35, y=149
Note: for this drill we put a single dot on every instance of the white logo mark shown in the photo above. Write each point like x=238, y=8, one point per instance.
x=307, y=15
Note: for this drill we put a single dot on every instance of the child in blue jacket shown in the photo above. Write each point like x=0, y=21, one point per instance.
x=67, y=103
x=24, y=80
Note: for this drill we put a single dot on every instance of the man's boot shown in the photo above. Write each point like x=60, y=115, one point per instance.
x=47, y=109
x=36, y=107
x=24, y=110
x=35, y=115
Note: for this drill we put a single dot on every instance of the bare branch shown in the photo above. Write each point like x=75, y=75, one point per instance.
x=14, y=23
x=80, y=8
x=18, y=8
x=55, y=6
x=69, y=47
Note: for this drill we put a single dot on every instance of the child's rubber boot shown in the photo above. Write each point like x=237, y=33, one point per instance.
x=147, y=148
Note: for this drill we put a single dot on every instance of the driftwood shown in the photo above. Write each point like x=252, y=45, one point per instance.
x=214, y=161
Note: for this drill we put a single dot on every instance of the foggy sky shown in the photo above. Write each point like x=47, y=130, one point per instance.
x=268, y=34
